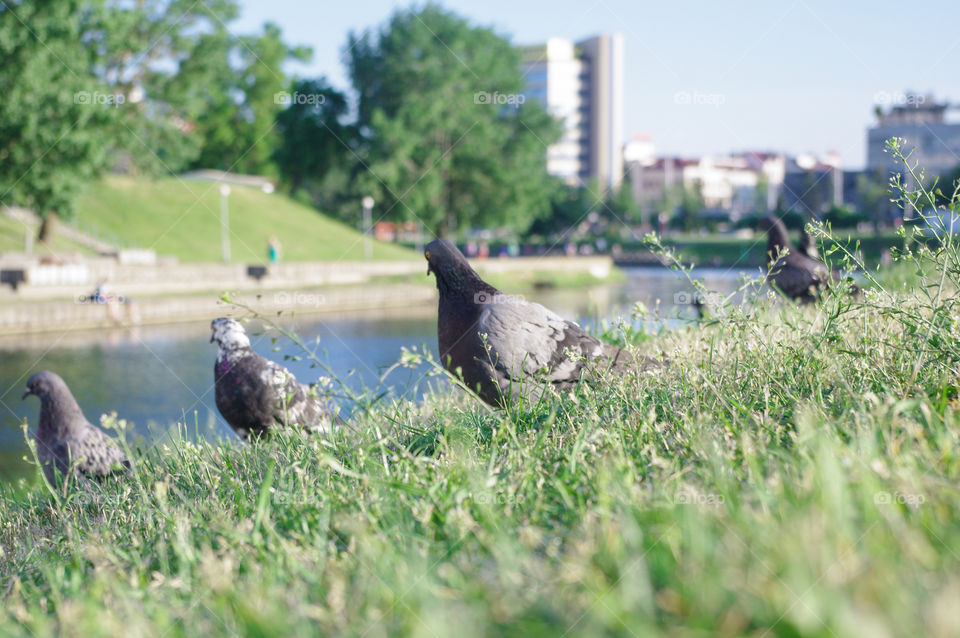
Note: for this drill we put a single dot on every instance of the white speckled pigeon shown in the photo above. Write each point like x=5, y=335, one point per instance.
x=65, y=439
x=255, y=394
x=795, y=274
x=506, y=347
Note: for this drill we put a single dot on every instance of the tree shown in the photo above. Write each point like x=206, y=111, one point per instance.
x=622, y=203
x=55, y=116
x=874, y=198
x=569, y=206
x=449, y=139
x=946, y=185
x=239, y=133
x=312, y=137
x=691, y=205
x=170, y=59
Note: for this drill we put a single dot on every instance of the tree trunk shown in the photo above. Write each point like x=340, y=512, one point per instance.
x=47, y=227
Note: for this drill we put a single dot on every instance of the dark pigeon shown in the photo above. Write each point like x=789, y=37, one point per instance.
x=506, y=347
x=796, y=275
x=807, y=246
x=65, y=439
x=255, y=394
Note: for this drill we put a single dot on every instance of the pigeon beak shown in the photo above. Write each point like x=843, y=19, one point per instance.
x=26, y=394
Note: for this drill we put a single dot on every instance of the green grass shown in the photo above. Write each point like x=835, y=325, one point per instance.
x=12, y=239
x=793, y=472
x=182, y=218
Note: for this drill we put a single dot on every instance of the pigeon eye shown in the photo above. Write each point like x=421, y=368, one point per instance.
x=427, y=254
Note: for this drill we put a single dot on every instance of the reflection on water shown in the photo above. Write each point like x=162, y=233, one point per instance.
x=157, y=376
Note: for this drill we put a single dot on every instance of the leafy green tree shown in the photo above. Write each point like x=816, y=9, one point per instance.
x=843, y=217
x=263, y=83
x=691, y=205
x=874, y=198
x=947, y=184
x=448, y=136
x=569, y=205
x=238, y=131
x=312, y=137
x=170, y=59
x=623, y=205
x=55, y=116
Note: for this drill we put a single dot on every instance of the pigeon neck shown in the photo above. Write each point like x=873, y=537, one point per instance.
x=463, y=285
x=60, y=414
x=228, y=352
x=777, y=239
x=807, y=245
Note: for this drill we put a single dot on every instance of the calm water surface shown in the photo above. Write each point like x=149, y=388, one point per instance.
x=158, y=376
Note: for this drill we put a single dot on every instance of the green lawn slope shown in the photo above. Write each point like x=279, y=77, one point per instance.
x=12, y=240
x=182, y=218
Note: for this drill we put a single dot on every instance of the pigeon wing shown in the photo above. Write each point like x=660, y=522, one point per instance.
x=797, y=276
x=294, y=403
x=96, y=454
x=526, y=339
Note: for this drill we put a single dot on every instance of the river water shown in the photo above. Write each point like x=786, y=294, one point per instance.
x=158, y=376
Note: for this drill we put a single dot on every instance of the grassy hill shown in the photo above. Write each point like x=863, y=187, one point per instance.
x=12, y=240
x=182, y=218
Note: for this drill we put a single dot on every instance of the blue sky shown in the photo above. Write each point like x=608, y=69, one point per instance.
x=793, y=76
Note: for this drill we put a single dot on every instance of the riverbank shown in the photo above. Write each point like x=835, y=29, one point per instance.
x=57, y=316
x=751, y=251
x=58, y=296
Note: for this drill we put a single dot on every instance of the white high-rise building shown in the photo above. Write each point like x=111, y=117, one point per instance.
x=582, y=85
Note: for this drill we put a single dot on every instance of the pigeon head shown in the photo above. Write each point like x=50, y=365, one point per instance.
x=776, y=232
x=44, y=385
x=229, y=334
x=452, y=270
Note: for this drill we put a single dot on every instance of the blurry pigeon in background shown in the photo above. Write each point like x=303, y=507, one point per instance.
x=807, y=246
x=795, y=274
x=505, y=346
x=65, y=439
x=255, y=394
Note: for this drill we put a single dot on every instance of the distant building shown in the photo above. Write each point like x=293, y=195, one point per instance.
x=656, y=182
x=582, y=85
x=813, y=185
x=733, y=185
x=740, y=183
x=922, y=123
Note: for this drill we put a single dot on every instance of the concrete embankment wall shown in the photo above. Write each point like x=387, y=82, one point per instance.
x=59, y=315
x=55, y=297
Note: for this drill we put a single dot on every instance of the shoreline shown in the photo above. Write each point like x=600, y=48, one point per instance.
x=173, y=293
x=49, y=316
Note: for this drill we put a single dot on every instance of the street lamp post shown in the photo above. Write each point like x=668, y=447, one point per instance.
x=224, y=223
x=367, y=230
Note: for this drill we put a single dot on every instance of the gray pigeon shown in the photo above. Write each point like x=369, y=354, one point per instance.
x=255, y=394
x=504, y=346
x=795, y=274
x=65, y=438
